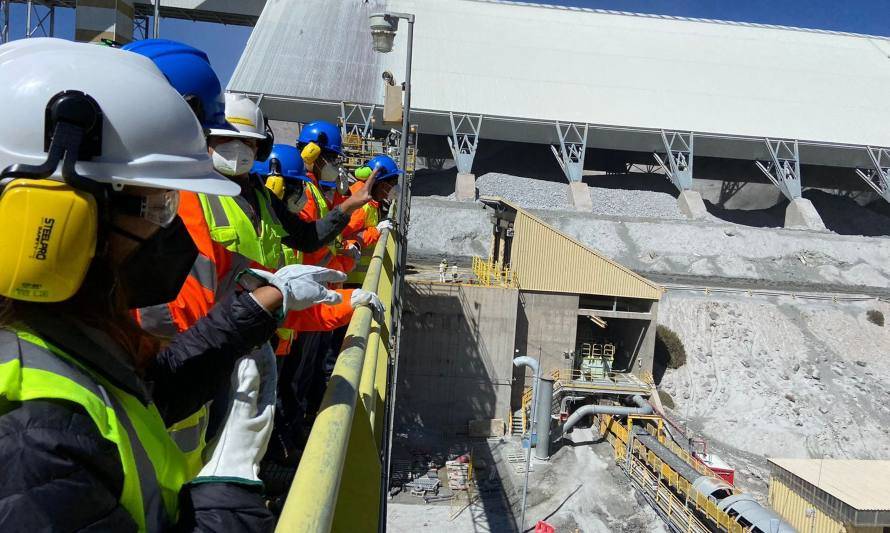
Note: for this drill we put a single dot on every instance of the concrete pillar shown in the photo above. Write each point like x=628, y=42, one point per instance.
x=801, y=213
x=465, y=187
x=580, y=196
x=543, y=413
x=691, y=204
x=95, y=20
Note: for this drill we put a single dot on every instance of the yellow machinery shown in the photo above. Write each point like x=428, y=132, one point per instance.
x=596, y=360
x=673, y=495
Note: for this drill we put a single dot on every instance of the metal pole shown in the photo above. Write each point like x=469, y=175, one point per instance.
x=28, y=20
x=531, y=436
x=52, y=21
x=398, y=290
x=4, y=37
x=403, y=142
x=157, y=20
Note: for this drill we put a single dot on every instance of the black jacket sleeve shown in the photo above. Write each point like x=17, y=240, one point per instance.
x=60, y=474
x=198, y=362
x=309, y=236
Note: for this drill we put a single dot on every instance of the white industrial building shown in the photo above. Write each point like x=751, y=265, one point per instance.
x=644, y=84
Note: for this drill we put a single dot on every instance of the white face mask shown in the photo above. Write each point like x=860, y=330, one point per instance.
x=233, y=158
x=329, y=172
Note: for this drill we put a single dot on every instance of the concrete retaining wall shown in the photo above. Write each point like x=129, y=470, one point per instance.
x=456, y=357
x=546, y=328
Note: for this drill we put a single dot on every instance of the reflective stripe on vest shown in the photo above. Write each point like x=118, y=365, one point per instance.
x=154, y=469
x=190, y=435
x=233, y=224
x=372, y=218
x=291, y=256
x=372, y=215
x=321, y=204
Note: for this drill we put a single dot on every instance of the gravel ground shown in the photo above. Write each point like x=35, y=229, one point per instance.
x=780, y=377
x=707, y=250
x=532, y=193
x=634, y=204
x=526, y=192
x=579, y=488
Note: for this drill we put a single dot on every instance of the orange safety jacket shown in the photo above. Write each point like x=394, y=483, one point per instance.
x=362, y=227
x=212, y=278
x=312, y=211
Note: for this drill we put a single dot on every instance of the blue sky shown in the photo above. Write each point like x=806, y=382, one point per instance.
x=225, y=43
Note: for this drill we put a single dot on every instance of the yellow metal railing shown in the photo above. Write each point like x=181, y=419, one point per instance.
x=337, y=484
x=491, y=274
x=617, y=381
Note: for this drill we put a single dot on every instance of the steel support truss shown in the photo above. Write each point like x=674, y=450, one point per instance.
x=877, y=177
x=357, y=119
x=4, y=21
x=679, y=153
x=464, y=140
x=572, y=147
x=783, y=168
x=141, y=27
x=40, y=20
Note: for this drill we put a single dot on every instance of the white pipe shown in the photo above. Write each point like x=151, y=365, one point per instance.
x=587, y=410
x=533, y=364
x=563, y=405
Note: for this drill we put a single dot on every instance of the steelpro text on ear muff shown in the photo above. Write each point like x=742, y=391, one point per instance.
x=50, y=228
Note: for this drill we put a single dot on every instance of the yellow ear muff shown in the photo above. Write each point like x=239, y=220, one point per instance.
x=310, y=153
x=48, y=239
x=275, y=184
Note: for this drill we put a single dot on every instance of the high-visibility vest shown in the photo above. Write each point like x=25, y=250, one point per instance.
x=154, y=468
x=372, y=218
x=322, y=205
x=232, y=226
x=230, y=223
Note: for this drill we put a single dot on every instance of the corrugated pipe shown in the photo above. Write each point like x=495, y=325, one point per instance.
x=587, y=410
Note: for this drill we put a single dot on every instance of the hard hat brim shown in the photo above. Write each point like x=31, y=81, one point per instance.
x=210, y=183
x=235, y=134
x=390, y=176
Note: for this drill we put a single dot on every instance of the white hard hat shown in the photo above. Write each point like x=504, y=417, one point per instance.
x=246, y=117
x=150, y=137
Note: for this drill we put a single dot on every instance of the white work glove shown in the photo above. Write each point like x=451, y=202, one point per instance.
x=304, y=286
x=243, y=440
x=384, y=224
x=363, y=297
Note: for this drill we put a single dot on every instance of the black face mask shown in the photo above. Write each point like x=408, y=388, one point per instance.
x=155, y=272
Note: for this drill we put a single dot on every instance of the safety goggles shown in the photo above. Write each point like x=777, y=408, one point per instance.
x=158, y=207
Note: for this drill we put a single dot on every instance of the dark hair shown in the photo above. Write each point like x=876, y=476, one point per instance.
x=99, y=303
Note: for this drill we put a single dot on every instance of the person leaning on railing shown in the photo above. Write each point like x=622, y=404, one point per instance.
x=91, y=183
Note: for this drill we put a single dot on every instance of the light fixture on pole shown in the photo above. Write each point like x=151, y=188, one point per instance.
x=383, y=33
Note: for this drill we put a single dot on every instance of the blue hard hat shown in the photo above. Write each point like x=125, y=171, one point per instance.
x=324, y=134
x=189, y=72
x=290, y=163
x=389, y=168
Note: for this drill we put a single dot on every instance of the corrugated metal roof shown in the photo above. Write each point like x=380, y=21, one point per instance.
x=545, y=259
x=863, y=485
x=520, y=62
